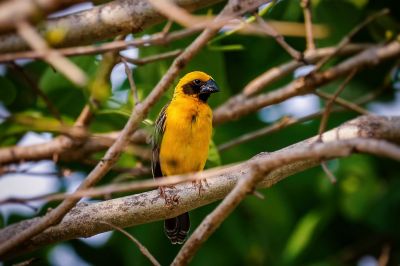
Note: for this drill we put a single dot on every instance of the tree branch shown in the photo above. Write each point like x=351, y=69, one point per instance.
x=13, y=11
x=232, y=109
x=85, y=219
x=101, y=22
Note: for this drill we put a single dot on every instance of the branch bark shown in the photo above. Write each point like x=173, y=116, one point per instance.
x=65, y=148
x=13, y=11
x=240, y=106
x=101, y=22
x=85, y=219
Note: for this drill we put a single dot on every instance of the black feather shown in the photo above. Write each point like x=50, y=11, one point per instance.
x=159, y=129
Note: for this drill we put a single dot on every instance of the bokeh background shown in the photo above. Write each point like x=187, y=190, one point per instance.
x=303, y=220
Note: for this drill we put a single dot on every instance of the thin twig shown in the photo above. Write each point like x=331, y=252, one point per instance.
x=155, y=39
x=167, y=27
x=306, y=5
x=129, y=74
x=369, y=57
x=329, y=104
x=385, y=255
x=284, y=122
x=23, y=202
x=13, y=11
x=153, y=58
x=328, y=173
x=269, y=30
x=345, y=103
x=346, y=39
x=142, y=248
x=276, y=73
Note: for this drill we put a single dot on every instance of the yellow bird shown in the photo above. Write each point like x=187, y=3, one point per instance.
x=181, y=138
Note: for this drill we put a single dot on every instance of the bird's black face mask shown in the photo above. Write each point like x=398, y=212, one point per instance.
x=202, y=89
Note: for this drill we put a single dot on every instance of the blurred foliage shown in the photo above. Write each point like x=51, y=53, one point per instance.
x=304, y=220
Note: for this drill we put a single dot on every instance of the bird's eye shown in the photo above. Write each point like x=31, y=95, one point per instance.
x=197, y=81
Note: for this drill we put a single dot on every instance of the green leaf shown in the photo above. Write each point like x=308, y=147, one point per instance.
x=115, y=111
x=52, y=80
x=213, y=156
x=8, y=91
x=302, y=235
x=226, y=48
x=359, y=187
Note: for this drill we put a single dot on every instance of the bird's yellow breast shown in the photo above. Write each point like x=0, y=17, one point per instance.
x=188, y=129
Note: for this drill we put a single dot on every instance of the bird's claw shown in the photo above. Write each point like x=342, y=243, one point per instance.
x=170, y=200
x=198, y=184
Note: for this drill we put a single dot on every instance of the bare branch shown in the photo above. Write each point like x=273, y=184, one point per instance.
x=345, y=103
x=289, y=121
x=153, y=58
x=329, y=104
x=307, y=84
x=350, y=35
x=306, y=5
x=276, y=73
x=142, y=248
x=132, y=84
x=328, y=173
x=66, y=147
x=284, y=122
x=269, y=30
x=13, y=11
x=146, y=207
x=156, y=39
x=101, y=22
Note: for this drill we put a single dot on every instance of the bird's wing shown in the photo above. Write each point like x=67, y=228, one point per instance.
x=159, y=129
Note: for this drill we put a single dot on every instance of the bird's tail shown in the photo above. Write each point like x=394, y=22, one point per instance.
x=177, y=228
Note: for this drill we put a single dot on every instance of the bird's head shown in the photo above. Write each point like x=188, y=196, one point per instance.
x=196, y=84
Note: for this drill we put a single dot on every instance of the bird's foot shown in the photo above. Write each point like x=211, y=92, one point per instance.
x=198, y=184
x=170, y=198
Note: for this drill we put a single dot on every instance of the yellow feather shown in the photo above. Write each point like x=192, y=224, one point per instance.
x=188, y=129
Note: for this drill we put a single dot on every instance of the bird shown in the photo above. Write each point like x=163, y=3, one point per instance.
x=181, y=139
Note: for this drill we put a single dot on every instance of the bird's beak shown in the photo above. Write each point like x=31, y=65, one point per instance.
x=209, y=87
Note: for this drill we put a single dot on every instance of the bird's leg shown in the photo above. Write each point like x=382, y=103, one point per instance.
x=170, y=200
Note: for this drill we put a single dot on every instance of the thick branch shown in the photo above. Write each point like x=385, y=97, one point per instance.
x=85, y=219
x=64, y=147
x=241, y=106
x=13, y=11
x=101, y=22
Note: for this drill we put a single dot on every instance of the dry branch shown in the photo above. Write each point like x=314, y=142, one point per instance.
x=155, y=39
x=101, y=22
x=65, y=148
x=306, y=5
x=85, y=219
x=13, y=11
x=241, y=105
x=142, y=248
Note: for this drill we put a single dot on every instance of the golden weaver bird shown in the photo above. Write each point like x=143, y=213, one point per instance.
x=181, y=139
